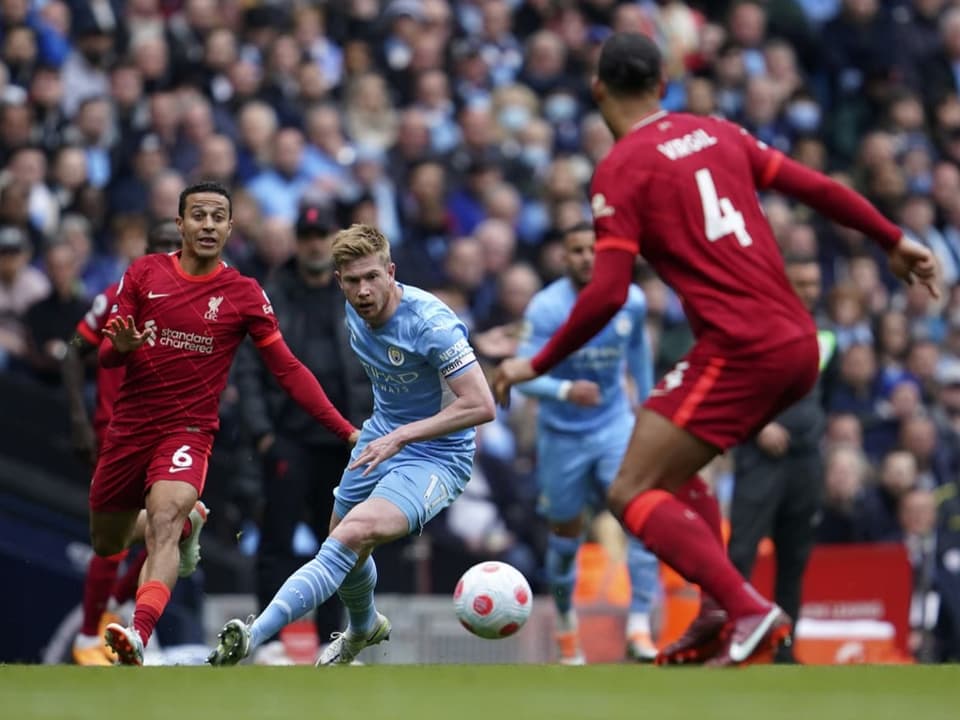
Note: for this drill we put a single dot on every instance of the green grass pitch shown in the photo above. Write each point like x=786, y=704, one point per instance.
x=459, y=692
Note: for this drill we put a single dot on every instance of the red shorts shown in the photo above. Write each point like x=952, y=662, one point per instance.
x=724, y=398
x=125, y=471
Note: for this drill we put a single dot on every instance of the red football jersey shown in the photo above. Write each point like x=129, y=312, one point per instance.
x=108, y=379
x=174, y=382
x=682, y=191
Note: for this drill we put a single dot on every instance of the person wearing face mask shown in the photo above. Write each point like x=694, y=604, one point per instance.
x=803, y=115
x=562, y=111
x=301, y=460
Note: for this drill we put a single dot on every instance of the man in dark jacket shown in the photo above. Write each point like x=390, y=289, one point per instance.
x=779, y=473
x=302, y=462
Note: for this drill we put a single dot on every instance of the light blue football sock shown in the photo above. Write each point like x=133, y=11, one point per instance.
x=356, y=592
x=644, y=570
x=561, y=569
x=305, y=590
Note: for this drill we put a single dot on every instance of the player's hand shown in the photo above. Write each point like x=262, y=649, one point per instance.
x=125, y=336
x=774, y=439
x=84, y=442
x=910, y=261
x=376, y=451
x=354, y=436
x=584, y=393
x=510, y=372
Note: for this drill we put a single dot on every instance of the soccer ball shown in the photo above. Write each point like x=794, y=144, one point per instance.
x=493, y=600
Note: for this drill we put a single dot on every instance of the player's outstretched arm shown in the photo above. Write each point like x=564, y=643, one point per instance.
x=910, y=261
x=596, y=304
x=303, y=387
x=473, y=406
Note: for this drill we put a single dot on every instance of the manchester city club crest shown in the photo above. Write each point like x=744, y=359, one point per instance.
x=395, y=355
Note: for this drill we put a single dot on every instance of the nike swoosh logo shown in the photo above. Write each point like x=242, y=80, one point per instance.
x=153, y=296
x=172, y=469
x=741, y=651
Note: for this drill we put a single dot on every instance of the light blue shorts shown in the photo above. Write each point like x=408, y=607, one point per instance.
x=575, y=471
x=419, y=485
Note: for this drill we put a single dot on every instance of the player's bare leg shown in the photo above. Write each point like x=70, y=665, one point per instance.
x=169, y=503
x=659, y=461
x=110, y=535
x=563, y=543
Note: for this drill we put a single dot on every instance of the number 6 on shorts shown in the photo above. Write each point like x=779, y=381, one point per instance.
x=181, y=460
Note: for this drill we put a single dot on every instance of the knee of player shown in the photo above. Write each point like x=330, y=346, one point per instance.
x=104, y=545
x=359, y=533
x=164, y=525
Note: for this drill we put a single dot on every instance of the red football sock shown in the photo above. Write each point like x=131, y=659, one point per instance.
x=152, y=598
x=187, y=529
x=698, y=495
x=683, y=540
x=101, y=574
x=126, y=585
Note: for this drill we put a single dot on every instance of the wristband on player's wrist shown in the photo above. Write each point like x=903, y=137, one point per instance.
x=563, y=392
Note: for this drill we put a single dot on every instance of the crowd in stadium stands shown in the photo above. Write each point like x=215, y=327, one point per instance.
x=466, y=132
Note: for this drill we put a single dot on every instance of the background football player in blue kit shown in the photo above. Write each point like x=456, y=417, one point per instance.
x=585, y=421
x=413, y=458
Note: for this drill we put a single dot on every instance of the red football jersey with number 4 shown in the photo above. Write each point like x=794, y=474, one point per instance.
x=174, y=381
x=682, y=191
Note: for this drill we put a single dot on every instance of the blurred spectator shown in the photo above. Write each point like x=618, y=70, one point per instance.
x=370, y=118
x=427, y=225
x=279, y=187
x=846, y=472
x=881, y=502
x=328, y=152
x=937, y=70
x=21, y=286
x=515, y=287
x=847, y=310
x=84, y=71
x=935, y=454
x=917, y=515
x=51, y=321
x=857, y=391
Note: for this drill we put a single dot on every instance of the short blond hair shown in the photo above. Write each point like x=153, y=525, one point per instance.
x=359, y=241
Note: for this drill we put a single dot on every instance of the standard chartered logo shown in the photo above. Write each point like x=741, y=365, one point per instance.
x=189, y=341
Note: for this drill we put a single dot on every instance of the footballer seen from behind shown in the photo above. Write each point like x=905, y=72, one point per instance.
x=682, y=190
x=413, y=458
x=175, y=327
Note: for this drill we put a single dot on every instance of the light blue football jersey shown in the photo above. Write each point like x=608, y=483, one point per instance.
x=408, y=361
x=621, y=344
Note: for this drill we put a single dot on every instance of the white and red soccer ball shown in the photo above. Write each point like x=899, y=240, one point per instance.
x=493, y=600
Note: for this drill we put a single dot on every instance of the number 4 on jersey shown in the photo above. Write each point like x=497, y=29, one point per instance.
x=720, y=217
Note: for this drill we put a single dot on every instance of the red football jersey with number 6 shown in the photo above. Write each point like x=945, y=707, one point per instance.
x=174, y=381
x=681, y=190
